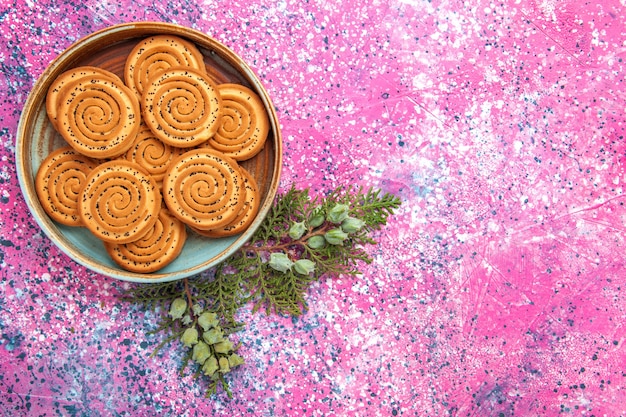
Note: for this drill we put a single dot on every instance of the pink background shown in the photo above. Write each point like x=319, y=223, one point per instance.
x=497, y=290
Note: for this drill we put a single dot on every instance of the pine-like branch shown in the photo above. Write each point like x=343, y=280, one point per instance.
x=302, y=239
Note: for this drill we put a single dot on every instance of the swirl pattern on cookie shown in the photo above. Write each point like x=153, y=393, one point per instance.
x=246, y=214
x=182, y=107
x=204, y=189
x=152, y=154
x=58, y=183
x=156, y=54
x=56, y=88
x=98, y=116
x=244, y=124
x=120, y=202
x=157, y=248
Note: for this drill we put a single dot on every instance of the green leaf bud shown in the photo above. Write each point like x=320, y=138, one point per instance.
x=210, y=366
x=224, y=365
x=201, y=352
x=224, y=346
x=304, y=266
x=235, y=360
x=207, y=320
x=352, y=225
x=280, y=262
x=213, y=336
x=335, y=236
x=297, y=230
x=316, y=242
x=190, y=337
x=178, y=308
x=187, y=320
x=196, y=308
x=338, y=213
x=317, y=218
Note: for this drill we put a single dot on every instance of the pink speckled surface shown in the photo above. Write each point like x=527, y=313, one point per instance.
x=497, y=290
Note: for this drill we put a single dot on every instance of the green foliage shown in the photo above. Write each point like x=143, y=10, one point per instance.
x=152, y=296
x=301, y=240
x=224, y=292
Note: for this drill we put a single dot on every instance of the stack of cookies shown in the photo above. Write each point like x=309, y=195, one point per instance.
x=154, y=155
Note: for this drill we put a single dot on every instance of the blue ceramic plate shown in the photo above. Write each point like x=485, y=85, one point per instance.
x=36, y=138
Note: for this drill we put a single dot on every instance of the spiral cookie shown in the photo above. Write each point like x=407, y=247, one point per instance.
x=244, y=123
x=152, y=154
x=59, y=181
x=54, y=91
x=204, y=189
x=158, y=247
x=119, y=202
x=156, y=54
x=245, y=216
x=98, y=116
x=182, y=107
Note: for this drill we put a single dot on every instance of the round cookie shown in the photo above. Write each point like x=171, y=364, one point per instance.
x=157, y=248
x=120, y=201
x=182, y=107
x=245, y=216
x=155, y=54
x=152, y=154
x=58, y=183
x=244, y=124
x=204, y=189
x=98, y=116
x=54, y=91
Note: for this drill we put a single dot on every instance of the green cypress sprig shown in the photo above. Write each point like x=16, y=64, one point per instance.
x=153, y=295
x=302, y=240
